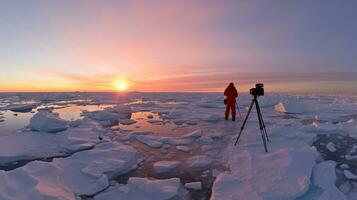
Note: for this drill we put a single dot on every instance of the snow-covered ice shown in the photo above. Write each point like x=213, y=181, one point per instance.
x=167, y=167
x=143, y=188
x=47, y=122
x=21, y=107
x=183, y=148
x=151, y=141
x=177, y=135
x=194, y=185
x=324, y=176
x=84, y=173
x=200, y=162
x=331, y=147
x=349, y=175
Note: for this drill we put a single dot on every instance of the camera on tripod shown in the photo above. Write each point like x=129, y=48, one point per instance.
x=258, y=90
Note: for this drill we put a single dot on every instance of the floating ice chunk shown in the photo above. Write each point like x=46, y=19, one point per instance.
x=111, y=116
x=194, y=135
x=280, y=108
x=154, y=121
x=149, y=140
x=167, y=167
x=84, y=173
x=175, y=141
x=47, y=122
x=183, y=148
x=37, y=145
x=331, y=147
x=206, y=140
x=349, y=175
x=143, y=188
x=349, y=157
x=199, y=162
x=194, y=186
x=21, y=107
x=324, y=176
x=127, y=121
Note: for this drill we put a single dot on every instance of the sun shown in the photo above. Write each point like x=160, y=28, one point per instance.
x=121, y=85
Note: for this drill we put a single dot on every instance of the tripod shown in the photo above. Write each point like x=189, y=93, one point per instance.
x=263, y=131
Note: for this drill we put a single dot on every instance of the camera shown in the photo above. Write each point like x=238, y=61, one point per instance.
x=258, y=90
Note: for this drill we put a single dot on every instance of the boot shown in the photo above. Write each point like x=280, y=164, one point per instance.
x=233, y=118
x=226, y=117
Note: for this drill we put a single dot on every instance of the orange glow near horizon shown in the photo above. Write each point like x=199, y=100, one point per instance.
x=121, y=85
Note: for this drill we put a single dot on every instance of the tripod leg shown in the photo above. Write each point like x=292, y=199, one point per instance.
x=261, y=126
x=262, y=120
x=245, y=121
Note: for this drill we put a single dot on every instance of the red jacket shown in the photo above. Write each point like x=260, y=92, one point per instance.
x=231, y=93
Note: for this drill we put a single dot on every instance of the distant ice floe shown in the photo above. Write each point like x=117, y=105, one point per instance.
x=21, y=107
x=280, y=108
x=111, y=116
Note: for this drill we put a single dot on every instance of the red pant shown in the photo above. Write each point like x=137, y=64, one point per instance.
x=231, y=106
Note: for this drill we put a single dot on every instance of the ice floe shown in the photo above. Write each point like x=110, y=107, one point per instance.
x=21, y=107
x=47, y=122
x=167, y=167
x=200, y=162
x=143, y=188
x=84, y=174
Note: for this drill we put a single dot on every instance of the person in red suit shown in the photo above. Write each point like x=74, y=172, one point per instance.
x=231, y=95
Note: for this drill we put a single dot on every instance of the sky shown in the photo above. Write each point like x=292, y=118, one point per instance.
x=178, y=46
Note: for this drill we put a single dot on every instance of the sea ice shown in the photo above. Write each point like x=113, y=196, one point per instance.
x=324, y=176
x=143, y=188
x=84, y=173
x=194, y=135
x=280, y=108
x=21, y=107
x=127, y=121
x=194, y=186
x=149, y=140
x=167, y=167
x=47, y=122
x=36, y=145
x=331, y=147
x=183, y=148
x=199, y=162
x=283, y=173
x=348, y=174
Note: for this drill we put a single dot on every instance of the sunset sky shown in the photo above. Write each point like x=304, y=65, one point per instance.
x=178, y=45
